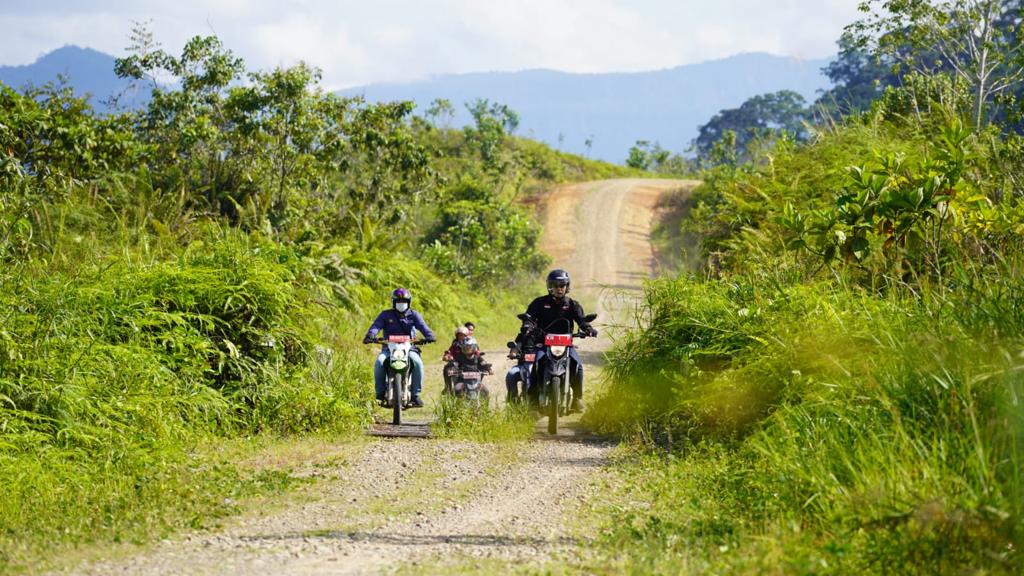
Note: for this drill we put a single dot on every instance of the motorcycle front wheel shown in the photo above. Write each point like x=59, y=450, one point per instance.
x=396, y=399
x=554, y=398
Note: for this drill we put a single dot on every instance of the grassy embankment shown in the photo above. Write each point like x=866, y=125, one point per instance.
x=843, y=395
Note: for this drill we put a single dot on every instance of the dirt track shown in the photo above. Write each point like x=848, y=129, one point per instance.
x=457, y=502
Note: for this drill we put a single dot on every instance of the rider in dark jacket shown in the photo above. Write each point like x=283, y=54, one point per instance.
x=557, y=313
x=468, y=357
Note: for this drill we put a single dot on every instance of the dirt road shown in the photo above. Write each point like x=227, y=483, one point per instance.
x=423, y=505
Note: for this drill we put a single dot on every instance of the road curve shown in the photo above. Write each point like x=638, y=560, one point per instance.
x=601, y=233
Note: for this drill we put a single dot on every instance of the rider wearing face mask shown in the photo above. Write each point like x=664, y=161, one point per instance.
x=556, y=312
x=399, y=320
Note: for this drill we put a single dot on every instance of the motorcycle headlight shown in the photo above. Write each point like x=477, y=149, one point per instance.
x=558, y=351
x=398, y=355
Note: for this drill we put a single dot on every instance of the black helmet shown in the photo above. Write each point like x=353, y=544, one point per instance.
x=401, y=295
x=558, y=277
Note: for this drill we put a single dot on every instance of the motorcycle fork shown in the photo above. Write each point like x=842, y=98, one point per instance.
x=554, y=363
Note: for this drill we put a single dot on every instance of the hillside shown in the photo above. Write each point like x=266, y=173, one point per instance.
x=86, y=70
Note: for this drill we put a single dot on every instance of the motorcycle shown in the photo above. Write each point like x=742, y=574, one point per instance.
x=555, y=395
x=398, y=369
x=525, y=353
x=463, y=381
x=469, y=384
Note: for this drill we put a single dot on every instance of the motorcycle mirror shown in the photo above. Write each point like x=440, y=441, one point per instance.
x=525, y=317
x=590, y=318
x=511, y=344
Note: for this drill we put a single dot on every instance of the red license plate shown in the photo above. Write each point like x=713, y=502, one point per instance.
x=471, y=375
x=530, y=357
x=558, y=339
x=397, y=339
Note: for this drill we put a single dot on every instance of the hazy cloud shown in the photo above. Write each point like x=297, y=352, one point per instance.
x=357, y=42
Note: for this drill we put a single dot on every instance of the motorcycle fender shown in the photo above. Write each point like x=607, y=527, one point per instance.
x=558, y=368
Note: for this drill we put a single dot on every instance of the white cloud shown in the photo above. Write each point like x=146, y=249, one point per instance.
x=356, y=42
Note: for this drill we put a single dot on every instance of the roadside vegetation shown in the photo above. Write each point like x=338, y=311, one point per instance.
x=203, y=270
x=487, y=422
x=837, y=389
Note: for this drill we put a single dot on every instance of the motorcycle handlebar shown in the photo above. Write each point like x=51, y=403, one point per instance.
x=384, y=341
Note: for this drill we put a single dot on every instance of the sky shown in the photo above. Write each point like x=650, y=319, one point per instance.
x=356, y=42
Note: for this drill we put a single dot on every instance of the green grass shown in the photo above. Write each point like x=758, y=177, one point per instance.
x=114, y=371
x=815, y=429
x=458, y=419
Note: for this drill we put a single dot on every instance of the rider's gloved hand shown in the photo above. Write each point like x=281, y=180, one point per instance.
x=367, y=339
x=591, y=331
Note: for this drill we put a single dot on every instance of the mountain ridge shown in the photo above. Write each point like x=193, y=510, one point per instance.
x=611, y=110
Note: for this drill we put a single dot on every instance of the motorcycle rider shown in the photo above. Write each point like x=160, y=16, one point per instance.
x=557, y=312
x=399, y=320
x=468, y=357
x=450, y=367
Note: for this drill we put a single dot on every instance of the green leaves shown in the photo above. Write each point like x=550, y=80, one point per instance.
x=482, y=240
x=889, y=214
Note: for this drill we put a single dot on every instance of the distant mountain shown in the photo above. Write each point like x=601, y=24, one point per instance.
x=87, y=71
x=614, y=110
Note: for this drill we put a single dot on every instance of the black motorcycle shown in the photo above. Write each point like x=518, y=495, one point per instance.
x=525, y=354
x=555, y=394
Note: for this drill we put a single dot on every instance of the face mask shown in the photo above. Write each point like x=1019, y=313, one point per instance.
x=401, y=306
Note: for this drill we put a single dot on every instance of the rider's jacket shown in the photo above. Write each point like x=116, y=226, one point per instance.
x=395, y=323
x=547, y=309
x=474, y=362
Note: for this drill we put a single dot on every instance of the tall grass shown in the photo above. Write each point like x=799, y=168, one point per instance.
x=820, y=428
x=484, y=422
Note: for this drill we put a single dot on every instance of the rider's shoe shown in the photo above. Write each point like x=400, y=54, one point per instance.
x=576, y=405
x=416, y=402
x=382, y=400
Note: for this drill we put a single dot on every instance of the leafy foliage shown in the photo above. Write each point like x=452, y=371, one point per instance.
x=838, y=392
x=766, y=115
x=481, y=240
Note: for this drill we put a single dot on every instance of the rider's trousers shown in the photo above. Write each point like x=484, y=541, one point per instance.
x=380, y=374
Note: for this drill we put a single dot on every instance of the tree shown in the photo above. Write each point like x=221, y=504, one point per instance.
x=288, y=131
x=441, y=113
x=638, y=157
x=384, y=170
x=966, y=35
x=492, y=124
x=186, y=120
x=765, y=115
x=858, y=79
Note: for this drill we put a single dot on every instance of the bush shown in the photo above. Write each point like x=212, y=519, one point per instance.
x=109, y=374
x=886, y=429
x=482, y=240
